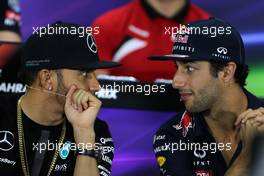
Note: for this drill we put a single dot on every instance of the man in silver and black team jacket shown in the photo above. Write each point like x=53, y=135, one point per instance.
x=52, y=129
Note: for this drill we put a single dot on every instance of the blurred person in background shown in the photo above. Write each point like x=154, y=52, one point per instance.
x=10, y=22
x=132, y=32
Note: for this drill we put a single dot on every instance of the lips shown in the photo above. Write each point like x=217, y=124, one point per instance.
x=185, y=96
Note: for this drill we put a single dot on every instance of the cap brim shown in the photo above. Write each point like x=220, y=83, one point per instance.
x=10, y=42
x=97, y=65
x=171, y=57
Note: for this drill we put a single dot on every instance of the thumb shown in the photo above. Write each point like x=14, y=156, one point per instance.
x=69, y=94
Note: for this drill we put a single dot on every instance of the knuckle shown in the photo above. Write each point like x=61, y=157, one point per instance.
x=99, y=103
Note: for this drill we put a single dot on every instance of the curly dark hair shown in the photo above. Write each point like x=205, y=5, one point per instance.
x=241, y=72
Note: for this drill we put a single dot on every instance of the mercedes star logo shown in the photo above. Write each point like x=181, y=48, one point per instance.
x=7, y=140
x=91, y=43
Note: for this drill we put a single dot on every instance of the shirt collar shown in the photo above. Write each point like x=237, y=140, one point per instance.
x=253, y=101
x=153, y=14
x=200, y=126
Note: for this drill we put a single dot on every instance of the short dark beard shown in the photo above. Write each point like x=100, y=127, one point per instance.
x=61, y=87
x=206, y=99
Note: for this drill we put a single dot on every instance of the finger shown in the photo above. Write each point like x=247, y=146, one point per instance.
x=254, y=123
x=69, y=96
x=93, y=101
x=251, y=114
x=79, y=99
x=242, y=130
x=250, y=122
x=79, y=96
x=84, y=101
x=260, y=119
x=261, y=109
x=250, y=130
x=97, y=103
x=241, y=116
x=76, y=96
x=260, y=128
x=257, y=124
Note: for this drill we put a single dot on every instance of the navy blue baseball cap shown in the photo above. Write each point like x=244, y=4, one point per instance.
x=211, y=39
x=61, y=46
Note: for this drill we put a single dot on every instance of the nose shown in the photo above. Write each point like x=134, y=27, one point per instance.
x=179, y=80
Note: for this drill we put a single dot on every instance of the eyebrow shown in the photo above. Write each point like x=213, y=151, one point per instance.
x=86, y=71
x=186, y=62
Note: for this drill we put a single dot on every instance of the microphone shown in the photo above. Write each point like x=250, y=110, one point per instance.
x=46, y=91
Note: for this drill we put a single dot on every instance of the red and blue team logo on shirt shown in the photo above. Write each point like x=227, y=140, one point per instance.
x=204, y=173
x=185, y=123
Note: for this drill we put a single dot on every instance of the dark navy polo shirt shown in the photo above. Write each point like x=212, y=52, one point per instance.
x=184, y=146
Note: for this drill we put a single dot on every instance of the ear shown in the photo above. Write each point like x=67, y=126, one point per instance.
x=227, y=75
x=46, y=80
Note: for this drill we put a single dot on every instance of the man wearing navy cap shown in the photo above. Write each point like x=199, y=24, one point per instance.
x=213, y=135
x=52, y=129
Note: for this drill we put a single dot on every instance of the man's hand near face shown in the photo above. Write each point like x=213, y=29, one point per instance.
x=249, y=124
x=254, y=117
x=81, y=109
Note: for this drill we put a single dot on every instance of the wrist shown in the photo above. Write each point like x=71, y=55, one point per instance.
x=83, y=135
x=94, y=153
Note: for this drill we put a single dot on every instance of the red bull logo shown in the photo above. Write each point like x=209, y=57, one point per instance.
x=204, y=173
x=181, y=39
x=185, y=123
